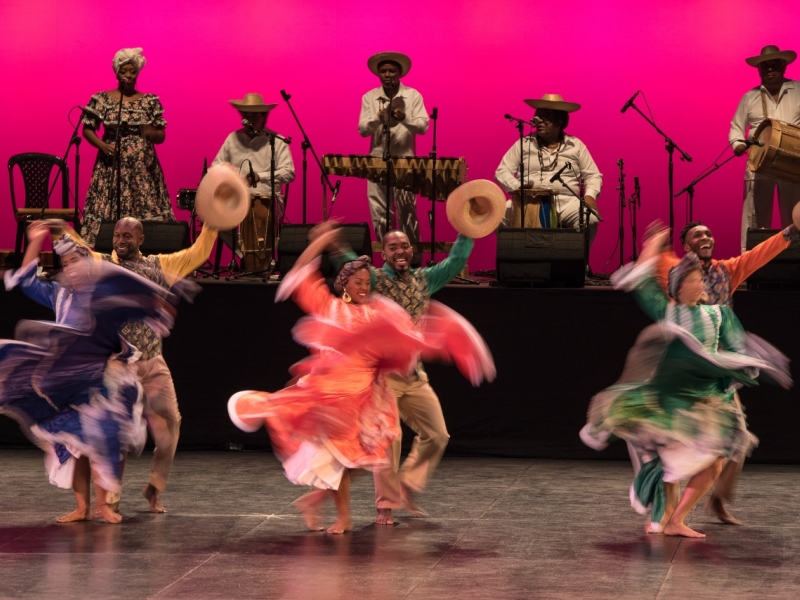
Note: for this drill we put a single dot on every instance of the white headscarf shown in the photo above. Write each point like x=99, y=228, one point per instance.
x=129, y=55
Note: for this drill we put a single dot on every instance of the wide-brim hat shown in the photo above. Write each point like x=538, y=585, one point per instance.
x=398, y=57
x=553, y=102
x=222, y=199
x=476, y=208
x=771, y=53
x=253, y=103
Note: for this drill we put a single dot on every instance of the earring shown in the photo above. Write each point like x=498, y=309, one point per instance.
x=346, y=297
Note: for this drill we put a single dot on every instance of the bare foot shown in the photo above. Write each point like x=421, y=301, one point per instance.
x=414, y=509
x=79, y=514
x=384, y=517
x=717, y=507
x=154, y=498
x=650, y=527
x=681, y=529
x=104, y=512
x=308, y=505
x=341, y=526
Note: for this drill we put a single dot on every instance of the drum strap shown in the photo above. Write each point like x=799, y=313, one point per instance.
x=764, y=103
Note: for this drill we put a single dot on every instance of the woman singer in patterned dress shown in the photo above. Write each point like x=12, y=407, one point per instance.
x=143, y=192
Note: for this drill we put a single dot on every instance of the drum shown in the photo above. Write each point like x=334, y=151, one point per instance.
x=257, y=234
x=780, y=155
x=540, y=209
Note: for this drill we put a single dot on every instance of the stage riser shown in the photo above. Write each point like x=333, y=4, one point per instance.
x=554, y=349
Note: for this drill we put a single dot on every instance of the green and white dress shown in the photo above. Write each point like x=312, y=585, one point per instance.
x=674, y=403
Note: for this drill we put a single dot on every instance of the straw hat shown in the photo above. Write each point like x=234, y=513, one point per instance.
x=771, y=53
x=476, y=208
x=398, y=57
x=222, y=199
x=253, y=103
x=554, y=102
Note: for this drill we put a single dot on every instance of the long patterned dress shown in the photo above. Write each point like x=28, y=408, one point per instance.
x=339, y=414
x=674, y=403
x=143, y=190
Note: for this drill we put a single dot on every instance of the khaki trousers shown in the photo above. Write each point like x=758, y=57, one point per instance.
x=162, y=416
x=419, y=408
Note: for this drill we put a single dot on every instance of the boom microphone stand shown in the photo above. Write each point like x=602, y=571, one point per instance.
x=621, y=188
x=689, y=189
x=670, y=147
x=520, y=125
x=117, y=163
x=432, y=214
x=306, y=145
x=634, y=205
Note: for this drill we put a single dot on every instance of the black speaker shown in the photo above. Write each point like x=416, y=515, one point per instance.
x=159, y=237
x=782, y=272
x=294, y=239
x=541, y=257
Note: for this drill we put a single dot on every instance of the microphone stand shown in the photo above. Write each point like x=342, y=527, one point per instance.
x=621, y=188
x=306, y=145
x=670, y=147
x=520, y=125
x=583, y=219
x=634, y=205
x=387, y=157
x=117, y=163
x=689, y=189
x=432, y=214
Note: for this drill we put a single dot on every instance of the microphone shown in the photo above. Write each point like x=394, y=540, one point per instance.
x=748, y=143
x=560, y=171
x=533, y=122
x=249, y=126
x=435, y=113
x=285, y=96
x=629, y=103
x=252, y=173
x=335, y=192
x=636, y=192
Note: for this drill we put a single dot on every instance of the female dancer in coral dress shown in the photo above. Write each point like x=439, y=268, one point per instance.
x=674, y=403
x=339, y=415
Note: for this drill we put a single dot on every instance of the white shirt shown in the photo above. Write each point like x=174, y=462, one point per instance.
x=239, y=146
x=750, y=112
x=571, y=150
x=402, y=134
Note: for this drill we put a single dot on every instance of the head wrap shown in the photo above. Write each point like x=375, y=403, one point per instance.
x=66, y=245
x=129, y=55
x=678, y=273
x=362, y=262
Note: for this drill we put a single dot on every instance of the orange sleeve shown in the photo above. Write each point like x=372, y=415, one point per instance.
x=741, y=267
x=666, y=260
x=313, y=295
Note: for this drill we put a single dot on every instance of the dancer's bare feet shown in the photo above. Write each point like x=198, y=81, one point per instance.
x=340, y=526
x=154, y=498
x=414, y=509
x=717, y=507
x=384, y=517
x=308, y=505
x=681, y=529
x=79, y=514
x=104, y=512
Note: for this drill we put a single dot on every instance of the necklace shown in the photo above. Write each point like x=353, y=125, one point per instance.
x=552, y=166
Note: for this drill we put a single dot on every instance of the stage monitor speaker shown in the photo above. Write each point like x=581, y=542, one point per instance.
x=294, y=239
x=541, y=257
x=159, y=237
x=782, y=272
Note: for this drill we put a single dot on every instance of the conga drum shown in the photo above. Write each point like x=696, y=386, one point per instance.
x=540, y=209
x=780, y=154
x=257, y=234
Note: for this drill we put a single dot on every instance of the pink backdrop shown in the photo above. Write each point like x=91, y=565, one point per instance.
x=474, y=60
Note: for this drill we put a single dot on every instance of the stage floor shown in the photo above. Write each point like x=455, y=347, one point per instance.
x=498, y=528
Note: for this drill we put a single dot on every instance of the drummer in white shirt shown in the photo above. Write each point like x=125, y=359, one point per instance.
x=547, y=151
x=252, y=143
x=776, y=98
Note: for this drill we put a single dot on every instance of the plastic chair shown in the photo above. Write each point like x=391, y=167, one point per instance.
x=37, y=170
